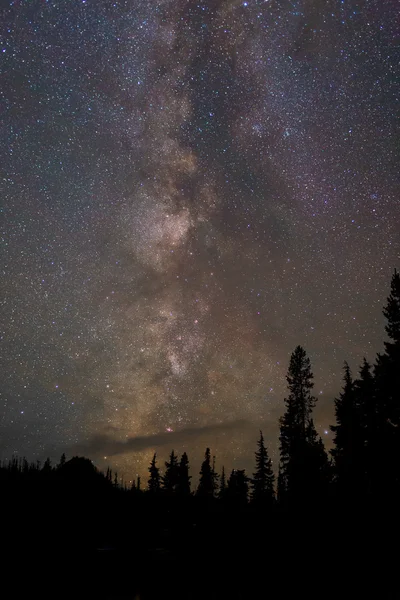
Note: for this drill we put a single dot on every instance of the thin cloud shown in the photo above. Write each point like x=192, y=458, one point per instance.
x=104, y=444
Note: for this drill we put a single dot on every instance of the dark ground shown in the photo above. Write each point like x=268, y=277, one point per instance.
x=66, y=539
x=237, y=561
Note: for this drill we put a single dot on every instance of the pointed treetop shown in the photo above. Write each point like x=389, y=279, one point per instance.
x=300, y=401
x=392, y=309
x=154, y=481
x=183, y=479
x=299, y=373
x=365, y=370
x=347, y=374
x=263, y=480
x=171, y=475
x=206, y=485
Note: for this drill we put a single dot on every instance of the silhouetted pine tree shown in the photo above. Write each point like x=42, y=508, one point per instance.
x=391, y=312
x=387, y=380
x=301, y=455
x=183, y=485
x=154, y=482
x=206, y=485
x=215, y=476
x=348, y=452
x=171, y=475
x=364, y=388
x=138, y=484
x=293, y=424
x=263, y=481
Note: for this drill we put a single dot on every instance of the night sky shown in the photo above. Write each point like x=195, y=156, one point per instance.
x=189, y=190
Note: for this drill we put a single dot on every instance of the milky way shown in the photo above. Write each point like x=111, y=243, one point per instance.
x=190, y=190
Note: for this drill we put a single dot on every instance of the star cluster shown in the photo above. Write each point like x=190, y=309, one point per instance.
x=189, y=190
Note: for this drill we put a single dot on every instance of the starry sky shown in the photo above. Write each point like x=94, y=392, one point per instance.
x=188, y=191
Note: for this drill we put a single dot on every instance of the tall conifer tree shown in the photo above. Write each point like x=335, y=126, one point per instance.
x=301, y=465
x=263, y=480
x=206, y=482
x=171, y=475
x=183, y=484
x=154, y=481
x=348, y=452
x=387, y=382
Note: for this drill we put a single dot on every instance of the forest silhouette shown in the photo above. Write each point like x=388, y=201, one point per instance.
x=326, y=524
